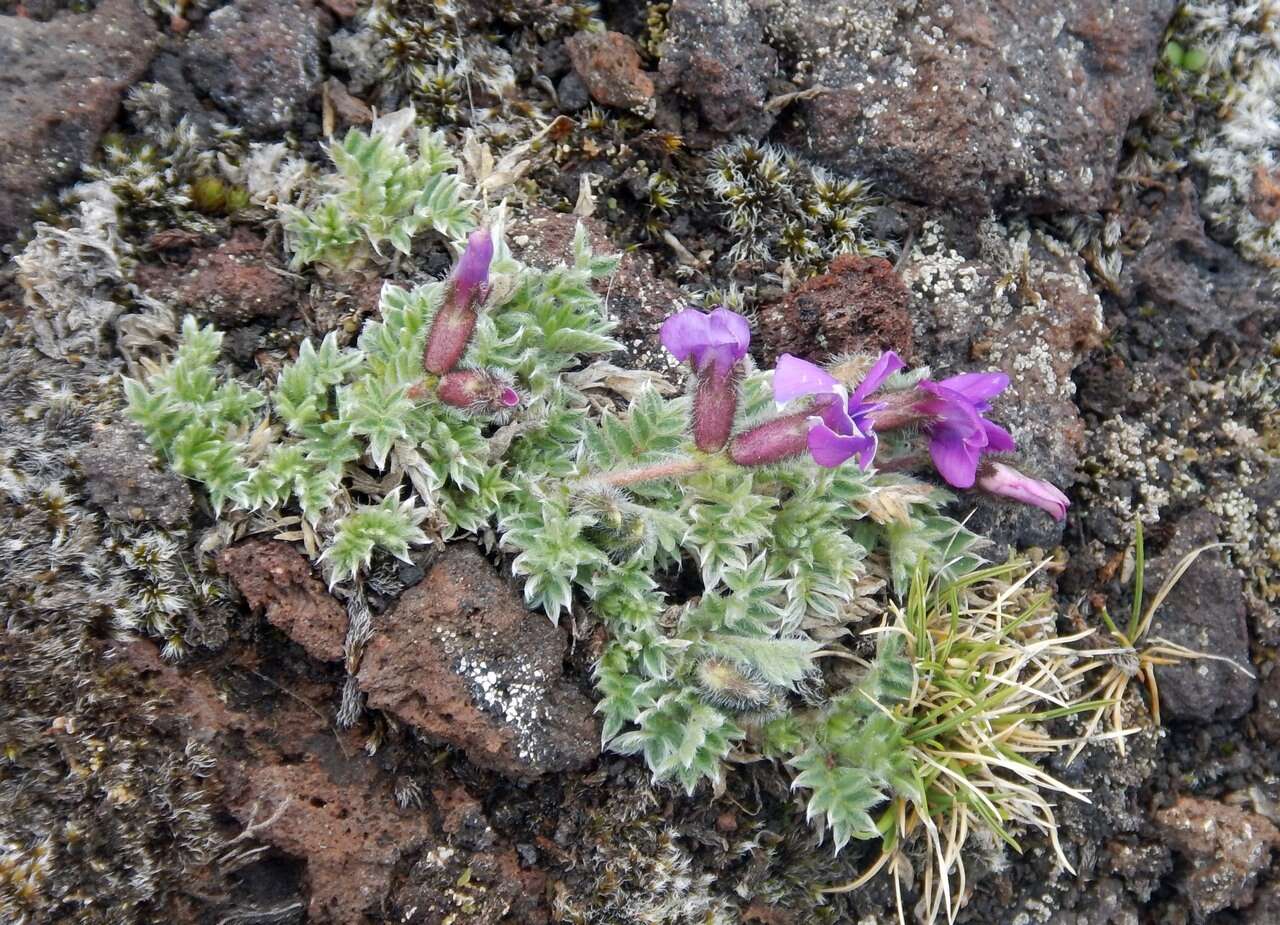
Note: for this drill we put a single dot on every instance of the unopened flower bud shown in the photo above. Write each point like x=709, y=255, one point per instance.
x=456, y=320
x=773, y=441
x=477, y=391
x=1008, y=482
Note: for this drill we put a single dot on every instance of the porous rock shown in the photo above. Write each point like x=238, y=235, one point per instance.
x=1205, y=611
x=311, y=791
x=276, y=579
x=233, y=282
x=858, y=305
x=1224, y=848
x=716, y=57
x=1006, y=298
x=609, y=65
x=122, y=477
x=259, y=60
x=460, y=658
x=974, y=104
x=61, y=83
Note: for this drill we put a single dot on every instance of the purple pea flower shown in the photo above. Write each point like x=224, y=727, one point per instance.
x=958, y=432
x=714, y=344
x=1008, y=482
x=843, y=427
x=456, y=320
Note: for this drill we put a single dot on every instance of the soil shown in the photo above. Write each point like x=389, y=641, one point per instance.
x=221, y=786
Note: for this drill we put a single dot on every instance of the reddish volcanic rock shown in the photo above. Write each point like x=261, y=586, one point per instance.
x=276, y=578
x=859, y=305
x=461, y=659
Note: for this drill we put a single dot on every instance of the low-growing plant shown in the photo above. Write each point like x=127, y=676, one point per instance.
x=982, y=671
x=756, y=493
x=379, y=195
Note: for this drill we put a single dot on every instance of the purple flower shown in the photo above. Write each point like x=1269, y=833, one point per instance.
x=456, y=320
x=1008, y=482
x=718, y=339
x=716, y=344
x=472, y=271
x=843, y=426
x=958, y=432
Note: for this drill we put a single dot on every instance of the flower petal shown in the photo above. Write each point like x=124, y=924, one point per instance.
x=684, y=332
x=977, y=386
x=835, y=414
x=888, y=364
x=731, y=329
x=473, y=266
x=830, y=449
x=955, y=460
x=793, y=377
x=998, y=439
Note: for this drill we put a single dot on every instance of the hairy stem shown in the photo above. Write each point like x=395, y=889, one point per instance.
x=667, y=470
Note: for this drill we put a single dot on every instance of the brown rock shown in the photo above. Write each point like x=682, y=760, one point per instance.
x=461, y=659
x=276, y=578
x=230, y=284
x=1225, y=848
x=609, y=65
x=1205, y=611
x=974, y=104
x=259, y=60
x=309, y=790
x=122, y=477
x=716, y=57
x=859, y=305
x=1197, y=286
x=60, y=87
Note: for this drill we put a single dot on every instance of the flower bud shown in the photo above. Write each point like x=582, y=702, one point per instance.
x=715, y=402
x=773, y=441
x=477, y=391
x=1008, y=482
x=456, y=320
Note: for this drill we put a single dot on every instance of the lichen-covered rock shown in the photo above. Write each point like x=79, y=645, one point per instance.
x=1225, y=849
x=460, y=658
x=715, y=55
x=60, y=87
x=972, y=103
x=122, y=477
x=260, y=61
x=609, y=66
x=275, y=578
x=858, y=305
x=1205, y=611
x=1011, y=299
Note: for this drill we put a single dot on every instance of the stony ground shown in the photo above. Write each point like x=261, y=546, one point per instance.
x=1016, y=222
